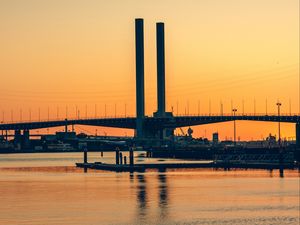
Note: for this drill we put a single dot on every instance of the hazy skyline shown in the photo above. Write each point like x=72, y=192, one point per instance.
x=60, y=54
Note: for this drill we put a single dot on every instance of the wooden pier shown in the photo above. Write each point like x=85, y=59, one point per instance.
x=119, y=166
x=165, y=166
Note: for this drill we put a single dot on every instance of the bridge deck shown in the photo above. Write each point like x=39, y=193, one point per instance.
x=155, y=122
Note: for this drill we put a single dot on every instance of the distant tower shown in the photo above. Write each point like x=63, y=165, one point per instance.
x=140, y=96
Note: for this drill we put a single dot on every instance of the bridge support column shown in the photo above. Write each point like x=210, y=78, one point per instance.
x=17, y=136
x=17, y=139
x=298, y=135
x=66, y=125
x=26, y=140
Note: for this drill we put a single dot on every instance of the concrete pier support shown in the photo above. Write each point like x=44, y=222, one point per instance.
x=18, y=137
x=66, y=125
x=26, y=140
x=298, y=135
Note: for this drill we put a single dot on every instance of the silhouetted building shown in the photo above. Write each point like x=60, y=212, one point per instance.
x=215, y=138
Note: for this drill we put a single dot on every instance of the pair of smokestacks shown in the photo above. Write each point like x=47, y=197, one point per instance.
x=140, y=89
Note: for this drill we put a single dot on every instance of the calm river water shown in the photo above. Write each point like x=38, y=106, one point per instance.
x=47, y=189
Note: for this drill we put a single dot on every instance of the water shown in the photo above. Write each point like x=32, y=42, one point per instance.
x=48, y=189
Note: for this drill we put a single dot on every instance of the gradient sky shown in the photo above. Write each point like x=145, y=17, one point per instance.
x=80, y=54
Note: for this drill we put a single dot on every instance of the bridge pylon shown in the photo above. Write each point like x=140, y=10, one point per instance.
x=140, y=90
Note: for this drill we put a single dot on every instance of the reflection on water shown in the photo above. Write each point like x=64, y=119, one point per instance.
x=163, y=196
x=141, y=197
x=55, y=192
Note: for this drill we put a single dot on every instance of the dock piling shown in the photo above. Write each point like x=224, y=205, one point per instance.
x=117, y=155
x=121, y=158
x=85, y=158
x=281, y=167
x=131, y=162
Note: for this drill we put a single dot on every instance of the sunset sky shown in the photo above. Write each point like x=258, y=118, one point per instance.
x=68, y=54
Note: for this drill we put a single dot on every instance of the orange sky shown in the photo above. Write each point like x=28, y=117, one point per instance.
x=68, y=54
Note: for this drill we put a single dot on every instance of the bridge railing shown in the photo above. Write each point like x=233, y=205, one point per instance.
x=61, y=119
x=238, y=114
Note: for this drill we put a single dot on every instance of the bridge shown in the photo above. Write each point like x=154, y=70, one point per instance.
x=151, y=125
x=162, y=123
x=149, y=122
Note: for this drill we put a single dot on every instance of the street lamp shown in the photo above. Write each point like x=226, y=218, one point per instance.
x=234, y=126
x=279, y=138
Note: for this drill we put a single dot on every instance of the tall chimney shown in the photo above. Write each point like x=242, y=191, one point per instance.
x=140, y=96
x=160, y=47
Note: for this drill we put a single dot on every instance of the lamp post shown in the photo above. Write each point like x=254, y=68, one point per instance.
x=234, y=126
x=279, y=138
